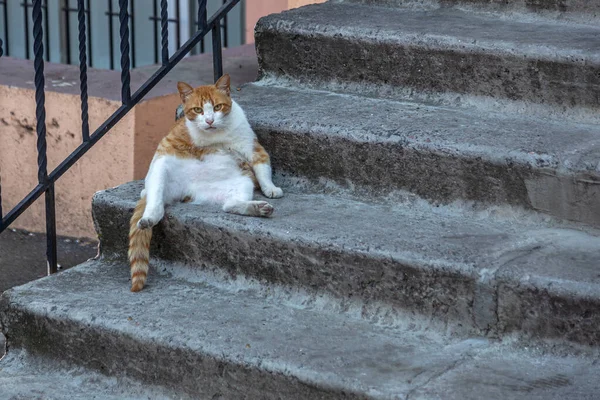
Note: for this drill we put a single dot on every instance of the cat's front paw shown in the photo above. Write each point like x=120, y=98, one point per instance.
x=273, y=192
x=146, y=223
x=150, y=218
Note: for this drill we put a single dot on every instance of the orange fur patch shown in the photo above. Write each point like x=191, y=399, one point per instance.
x=137, y=274
x=139, y=248
x=260, y=155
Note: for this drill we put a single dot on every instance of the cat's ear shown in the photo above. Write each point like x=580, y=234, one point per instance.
x=223, y=84
x=185, y=90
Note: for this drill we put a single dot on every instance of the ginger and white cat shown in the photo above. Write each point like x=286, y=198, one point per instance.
x=211, y=155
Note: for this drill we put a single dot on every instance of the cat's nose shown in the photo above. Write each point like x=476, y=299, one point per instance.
x=209, y=121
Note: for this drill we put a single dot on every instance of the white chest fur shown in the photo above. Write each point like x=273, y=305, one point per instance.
x=212, y=179
x=212, y=168
x=217, y=177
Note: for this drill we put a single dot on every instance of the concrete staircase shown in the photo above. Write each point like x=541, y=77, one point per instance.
x=438, y=238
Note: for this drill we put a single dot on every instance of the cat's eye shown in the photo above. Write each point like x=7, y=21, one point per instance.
x=218, y=107
x=197, y=110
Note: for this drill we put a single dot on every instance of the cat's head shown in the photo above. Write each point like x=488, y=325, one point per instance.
x=207, y=106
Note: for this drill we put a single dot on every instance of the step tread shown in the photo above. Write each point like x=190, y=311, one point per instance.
x=23, y=376
x=447, y=27
x=245, y=327
x=518, y=247
x=563, y=146
x=582, y=10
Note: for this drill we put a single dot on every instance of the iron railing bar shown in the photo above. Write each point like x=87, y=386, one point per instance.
x=25, y=7
x=51, y=256
x=217, y=51
x=178, y=22
x=40, y=96
x=154, y=20
x=5, y=4
x=132, y=17
x=47, y=29
x=164, y=31
x=85, y=127
x=116, y=116
x=111, y=47
x=225, y=35
x=124, y=32
x=23, y=205
x=66, y=11
x=202, y=16
x=40, y=114
x=89, y=31
x=86, y=11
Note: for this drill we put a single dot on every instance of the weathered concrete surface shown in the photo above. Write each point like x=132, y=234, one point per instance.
x=439, y=153
x=480, y=273
x=23, y=376
x=585, y=10
x=532, y=302
x=254, y=9
x=515, y=376
x=209, y=342
x=238, y=342
x=444, y=50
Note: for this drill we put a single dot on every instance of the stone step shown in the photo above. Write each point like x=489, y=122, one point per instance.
x=490, y=272
x=586, y=10
x=443, y=53
x=235, y=342
x=24, y=376
x=440, y=153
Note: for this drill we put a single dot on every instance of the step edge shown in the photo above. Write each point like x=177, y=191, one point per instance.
x=462, y=102
x=15, y=311
x=278, y=23
x=484, y=287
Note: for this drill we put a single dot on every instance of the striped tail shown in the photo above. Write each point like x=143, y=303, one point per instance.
x=139, y=248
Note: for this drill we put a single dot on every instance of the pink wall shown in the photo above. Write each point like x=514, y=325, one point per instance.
x=259, y=8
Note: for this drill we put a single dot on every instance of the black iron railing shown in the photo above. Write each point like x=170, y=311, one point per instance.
x=46, y=181
x=97, y=13
x=81, y=13
x=5, y=22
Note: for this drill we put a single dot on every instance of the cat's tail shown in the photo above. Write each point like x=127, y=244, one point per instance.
x=139, y=248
